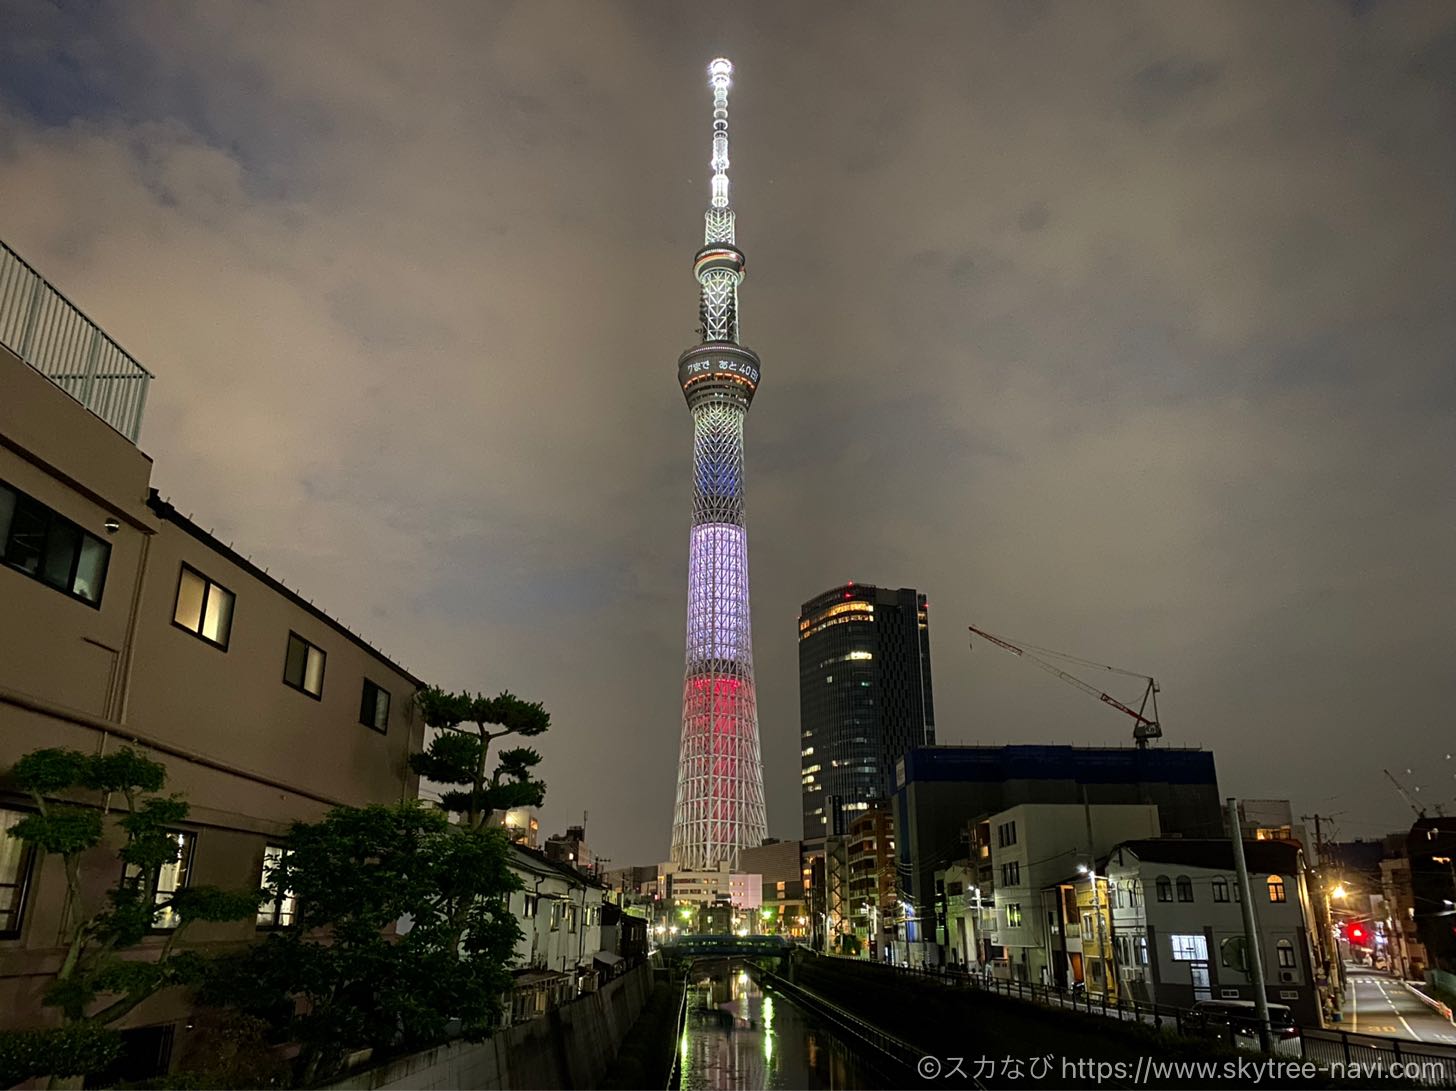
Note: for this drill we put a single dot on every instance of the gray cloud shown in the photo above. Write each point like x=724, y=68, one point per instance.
x=1126, y=331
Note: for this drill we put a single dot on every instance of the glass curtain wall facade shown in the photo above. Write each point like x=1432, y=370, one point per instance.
x=864, y=698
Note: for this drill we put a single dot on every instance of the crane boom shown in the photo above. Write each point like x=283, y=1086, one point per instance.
x=1411, y=803
x=1143, y=730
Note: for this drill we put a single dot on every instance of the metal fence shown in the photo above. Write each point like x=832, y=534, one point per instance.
x=52, y=335
x=1431, y=1066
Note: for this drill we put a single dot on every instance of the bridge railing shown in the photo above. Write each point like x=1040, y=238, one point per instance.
x=54, y=336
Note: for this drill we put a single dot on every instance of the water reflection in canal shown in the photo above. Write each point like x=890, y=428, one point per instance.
x=740, y=1036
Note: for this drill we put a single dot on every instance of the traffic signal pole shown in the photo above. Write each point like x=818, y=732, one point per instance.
x=1251, y=927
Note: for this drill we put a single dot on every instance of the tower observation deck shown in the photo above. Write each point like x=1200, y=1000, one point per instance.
x=720, y=806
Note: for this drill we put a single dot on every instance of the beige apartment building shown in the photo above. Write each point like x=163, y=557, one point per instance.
x=123, y=622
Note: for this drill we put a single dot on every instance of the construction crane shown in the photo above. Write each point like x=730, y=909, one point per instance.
x=1144, y=730
x=1409, y=802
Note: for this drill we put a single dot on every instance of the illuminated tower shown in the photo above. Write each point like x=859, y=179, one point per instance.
x=720, y=776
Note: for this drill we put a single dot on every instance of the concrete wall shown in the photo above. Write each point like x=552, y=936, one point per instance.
x=572, y=1046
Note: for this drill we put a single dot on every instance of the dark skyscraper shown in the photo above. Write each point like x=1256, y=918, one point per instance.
x=864, y=697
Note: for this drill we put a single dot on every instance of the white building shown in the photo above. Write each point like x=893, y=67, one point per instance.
x=559, y=911
x=1178, y=927
x=1033, y=847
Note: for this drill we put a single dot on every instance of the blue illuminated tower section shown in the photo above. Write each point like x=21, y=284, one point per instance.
x=720, y=775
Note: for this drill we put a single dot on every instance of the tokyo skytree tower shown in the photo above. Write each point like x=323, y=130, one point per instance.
x=720, y=776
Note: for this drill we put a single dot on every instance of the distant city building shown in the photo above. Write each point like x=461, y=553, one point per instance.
x=1431, y=849
x=940, y=789
x=871, y=901
x=521, y=825
x=1274, y=820
x=787, y=886
x=570, y=848
x=720, y=806
x=864, y=698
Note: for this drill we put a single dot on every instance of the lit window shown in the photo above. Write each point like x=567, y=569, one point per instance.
x=1189, y=948
x=1276, y=888
x=1013, y=915
x=276, y=912
x=1285, y=951
x=15, y=857
x=49, y=547
x=374, y=707
x=165, y=880
x=204, y=608
x=303, y=668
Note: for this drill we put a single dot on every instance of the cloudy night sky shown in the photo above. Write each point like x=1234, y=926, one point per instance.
x=1122, y=329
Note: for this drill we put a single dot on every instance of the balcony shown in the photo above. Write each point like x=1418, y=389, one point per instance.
x=53, y=336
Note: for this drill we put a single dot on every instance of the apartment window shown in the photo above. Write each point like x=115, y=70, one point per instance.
x=1220, y=890
x=15, y=857
x=555, y=915
x=167, y=879
x=1185, y=889
x=276, y=912
x=1276, y=888
x=1011, y=874
x=374, y=707
x=49, y=547
x=1006, y=834
x=204, y=608
x=1189, y=948
x=530, y=908
x=1013, y=915
x=1142, y=950
x=1285, y=950
x=303, y=669
x=1165, y=889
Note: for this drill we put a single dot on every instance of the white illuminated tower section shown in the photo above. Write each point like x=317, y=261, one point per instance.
x=720, y=776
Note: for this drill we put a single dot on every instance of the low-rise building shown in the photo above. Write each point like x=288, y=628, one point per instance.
x=127, y=623
x=1178, y=926
x=559, y=911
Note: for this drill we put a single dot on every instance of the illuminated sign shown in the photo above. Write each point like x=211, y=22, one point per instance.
x=721, y=365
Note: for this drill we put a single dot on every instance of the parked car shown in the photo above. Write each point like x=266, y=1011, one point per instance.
x=1216, y=1017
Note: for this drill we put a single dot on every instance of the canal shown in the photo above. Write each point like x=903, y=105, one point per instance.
x=739, y=1034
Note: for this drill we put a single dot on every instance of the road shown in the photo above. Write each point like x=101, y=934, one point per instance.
x=1378, y=1004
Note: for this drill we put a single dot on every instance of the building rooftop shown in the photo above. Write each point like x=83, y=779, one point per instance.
x=56, y=338
x=164, y=509
x=1081, y=764
x=1262, y=857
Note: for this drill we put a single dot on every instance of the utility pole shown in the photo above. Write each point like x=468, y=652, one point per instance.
x=1251, y=926
x=1324, y=915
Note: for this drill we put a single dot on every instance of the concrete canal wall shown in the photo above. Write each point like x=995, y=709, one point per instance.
x=571, y=1046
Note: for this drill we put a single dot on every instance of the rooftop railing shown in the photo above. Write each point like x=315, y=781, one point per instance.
x=53, y=335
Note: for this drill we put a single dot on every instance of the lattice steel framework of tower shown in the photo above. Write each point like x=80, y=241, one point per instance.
x=720, y=774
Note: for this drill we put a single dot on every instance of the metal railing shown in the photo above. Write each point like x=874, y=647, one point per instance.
x=53, y=336
x=1429, y=1065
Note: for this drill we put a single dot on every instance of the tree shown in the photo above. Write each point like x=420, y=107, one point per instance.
x=95, y=985
x=460, y=752
x=354, y=875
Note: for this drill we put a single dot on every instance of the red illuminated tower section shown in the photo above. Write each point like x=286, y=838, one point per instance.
x=720, y=775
